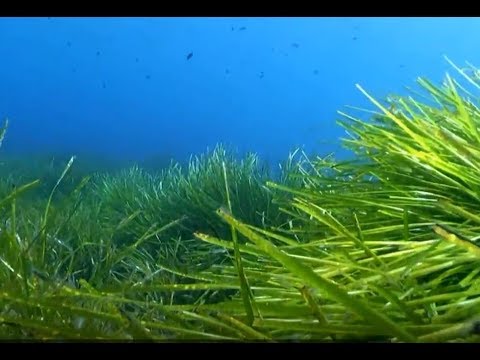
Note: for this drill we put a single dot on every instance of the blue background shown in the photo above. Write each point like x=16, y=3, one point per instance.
x=124, y=88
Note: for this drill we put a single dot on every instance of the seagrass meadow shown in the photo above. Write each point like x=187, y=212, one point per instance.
x=383, y=247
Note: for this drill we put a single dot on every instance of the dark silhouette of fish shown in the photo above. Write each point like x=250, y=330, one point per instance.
x=242, y=28
x=98, y=53
x=354, y=38
x=233, y=28
x=295, y=45
x=136, y=60
x=189, y=56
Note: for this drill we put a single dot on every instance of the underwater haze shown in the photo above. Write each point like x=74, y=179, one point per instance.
x=166, y=88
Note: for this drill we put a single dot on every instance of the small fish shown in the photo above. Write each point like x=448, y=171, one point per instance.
x=43, y=275
x=227, y=71
x=78, y=322
x=136, y=60
x=295, y=45
x=224, y=210
x=261, y=75
x=233, y=28
x=69, y=44
x=475, y=327
x=354, y=38
x=189, y=56
x=98, y=53
x=104, y=85
x=315, y=72
x=242, y=28
x=148, y=77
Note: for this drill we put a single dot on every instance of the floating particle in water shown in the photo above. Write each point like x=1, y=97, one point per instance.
x=242, y=28
x=189, y=56
x=295, y=45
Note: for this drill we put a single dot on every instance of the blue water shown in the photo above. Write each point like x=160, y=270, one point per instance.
x=124, y=88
